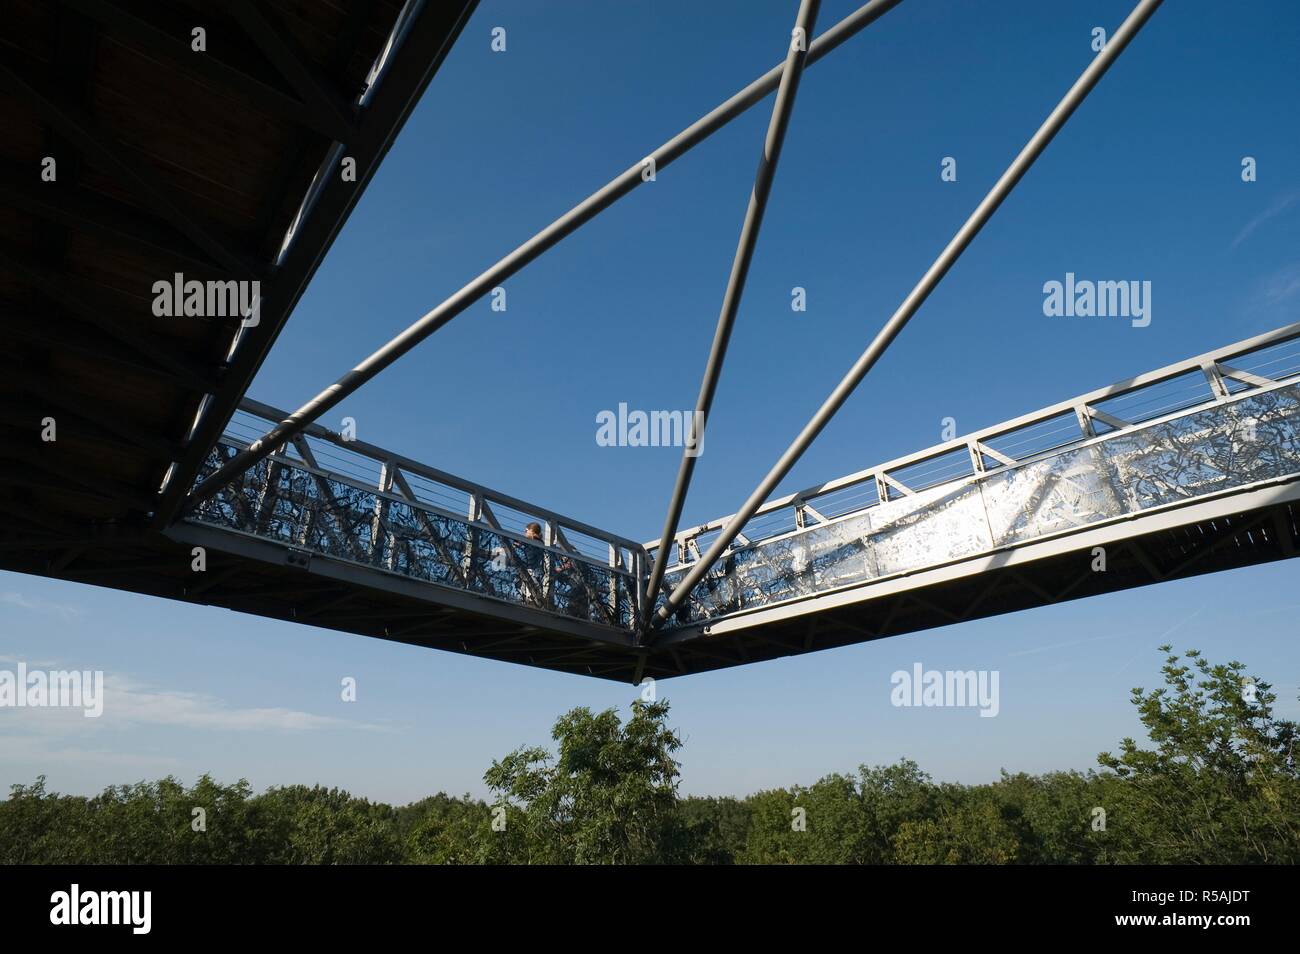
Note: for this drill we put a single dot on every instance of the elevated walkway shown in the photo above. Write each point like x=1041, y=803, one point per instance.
x=1191, y=468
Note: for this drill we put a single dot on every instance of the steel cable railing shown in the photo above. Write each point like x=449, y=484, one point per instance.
x=1205, y=425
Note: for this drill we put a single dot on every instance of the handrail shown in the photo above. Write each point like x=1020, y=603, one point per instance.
x=382, y=456
x=957, y=482
x=345, y=519
x=1219, y=383
x=968, y=441
x=1224, y=445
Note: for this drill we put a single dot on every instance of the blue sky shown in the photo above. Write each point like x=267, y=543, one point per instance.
x=1144, y=183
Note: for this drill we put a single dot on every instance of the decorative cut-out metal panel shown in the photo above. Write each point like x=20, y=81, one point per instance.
x=1216, y=448
x=290, y=503
x=1213, y=447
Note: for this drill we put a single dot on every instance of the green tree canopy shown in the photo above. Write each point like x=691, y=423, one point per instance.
x=609, y=795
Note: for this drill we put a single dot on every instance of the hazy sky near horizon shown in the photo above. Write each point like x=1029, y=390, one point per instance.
x=1143, y=184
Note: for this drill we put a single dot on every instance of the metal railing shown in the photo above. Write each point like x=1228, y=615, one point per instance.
x=1215, y=422
x=226, y=467
x=352, y=501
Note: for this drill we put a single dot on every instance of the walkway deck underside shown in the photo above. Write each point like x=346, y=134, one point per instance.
x=166, y=479
x=1190, y=469
x=254, y=577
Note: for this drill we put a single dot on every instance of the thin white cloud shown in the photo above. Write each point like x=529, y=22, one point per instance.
x=1075, y=642
x=129, y=704
x=1161, y=639
x=31, y=663
x=1282, y=284
x=1279, y=206
x=63, y=610
x=16, y=750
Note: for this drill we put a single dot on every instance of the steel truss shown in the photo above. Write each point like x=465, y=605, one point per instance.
x=1055, y=489
x=565, y=225
x=1189, y=442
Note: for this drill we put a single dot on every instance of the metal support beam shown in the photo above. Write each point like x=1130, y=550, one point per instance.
x=319, y=99
x=156, y=30
x=85, y=211
x=324, y=604
x=1001, y=189
x=796, y=54
x=1144, y=559
x=1109, y=419
x=1254, y=380
x=106, y=153
x=43, y=386
x=1285, y=537
x=565, y=225
x=87, y=341
x=22, y=416
x=62, y=474
x=1213, y=541
x=65, y=560
x=212, y=579
x=414, y=54
x=126, y=330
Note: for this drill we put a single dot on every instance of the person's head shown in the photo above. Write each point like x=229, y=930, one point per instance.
x=533, y=531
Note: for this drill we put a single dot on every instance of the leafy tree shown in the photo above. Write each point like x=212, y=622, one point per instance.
x=441, y=830
x=1221, y=783
x=772, y=839
x=891, y=795
x=1053, y=816
x=715, y=829
x=38, y=827
x=320, y=826
x=608, y=797
x=846, y=819
x=969, y=830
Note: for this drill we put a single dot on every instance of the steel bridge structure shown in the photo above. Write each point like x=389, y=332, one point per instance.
x=1188, y=469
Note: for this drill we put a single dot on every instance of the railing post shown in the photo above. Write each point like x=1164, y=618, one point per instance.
x=378, y=532
x=1085, y=420
x=548, y=567
x=615, y=564
x=472, y=517
x=882, y=489
x=380, y=537
x=267, y=496
x=308, y=512
x=640, y=579
x=1215, y=377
